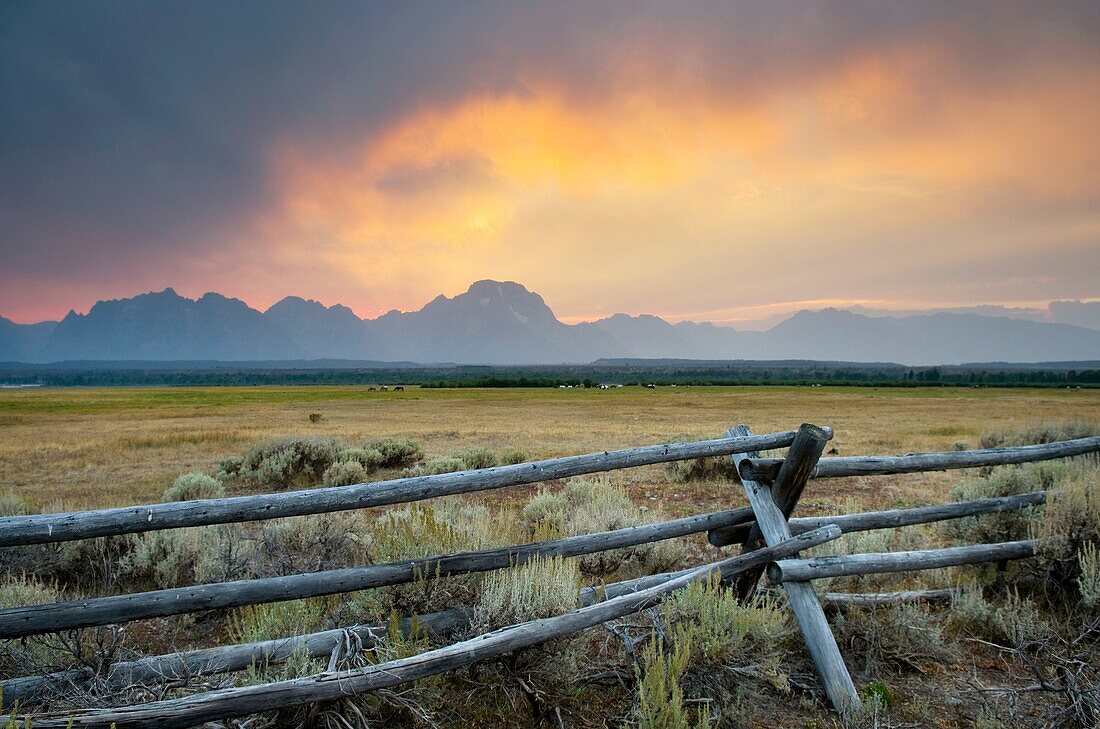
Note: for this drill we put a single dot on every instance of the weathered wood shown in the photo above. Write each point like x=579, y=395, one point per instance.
x=816, y=568
x=766, y=469
x=237, y=657
x=842, y=600
x=238, y=701
x=807, y=610
x=890, y=518
x=44, y=528
x=220, y=659
x=34, y=619
x=787, y=488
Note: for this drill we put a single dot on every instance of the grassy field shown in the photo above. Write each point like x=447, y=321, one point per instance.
x=78, y=448
x=64, y=449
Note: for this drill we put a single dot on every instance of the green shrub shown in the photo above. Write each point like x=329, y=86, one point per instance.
x=1003, y=526
x=970, y=612
x=1019, y=621
x=660, y=695
x=961, y=445
x=164, y=559
x=343, y=473
x=1088, y=583
x=512, y=457
x=539, y=588
x=29, y=655
x=230, y=467
x=546, y=515
x=396, y=452
x=717, y=625
x=192, y=486
x=289, y=462
x=271, y=621
x=371, y=459
x=94, y=561
x=476, y=457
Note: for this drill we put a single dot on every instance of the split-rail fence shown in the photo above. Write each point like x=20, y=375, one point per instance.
x=770, y=540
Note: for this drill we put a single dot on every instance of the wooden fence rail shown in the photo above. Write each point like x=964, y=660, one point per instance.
x=890, y=518
x=773, y=487
x=816, y=568
x=192, y=710
x=46, y=528
x=53, y=617
x=766, y=469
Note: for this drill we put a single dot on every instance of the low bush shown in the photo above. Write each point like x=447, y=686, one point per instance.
x=436, y=465
x=476, y=457
x=163, y=559
x=289, y=462
x=343, y=473
x=396, y=452
x=191, y=486
x=512, y=457
x=1002, y=526
x=271, y=621
x=30, y=655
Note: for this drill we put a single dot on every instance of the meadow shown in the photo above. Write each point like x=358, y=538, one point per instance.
x=704, y=659
x=85, y=448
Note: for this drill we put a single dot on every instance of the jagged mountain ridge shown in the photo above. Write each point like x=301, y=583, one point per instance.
x=496, y=322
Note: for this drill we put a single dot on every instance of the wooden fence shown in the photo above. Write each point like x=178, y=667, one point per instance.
x=770, y=541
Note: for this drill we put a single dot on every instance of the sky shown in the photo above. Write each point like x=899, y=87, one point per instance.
x=709, y=161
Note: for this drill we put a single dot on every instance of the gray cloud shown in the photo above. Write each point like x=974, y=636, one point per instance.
x=132, y=133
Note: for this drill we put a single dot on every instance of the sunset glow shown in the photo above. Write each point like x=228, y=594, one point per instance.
x=906, y=168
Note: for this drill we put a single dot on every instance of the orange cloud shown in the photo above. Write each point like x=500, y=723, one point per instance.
x=864, y=185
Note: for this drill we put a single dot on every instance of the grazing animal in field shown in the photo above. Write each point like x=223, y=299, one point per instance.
x=384, y=388
x=399, y=388
x=651, y=387
x=372, y=388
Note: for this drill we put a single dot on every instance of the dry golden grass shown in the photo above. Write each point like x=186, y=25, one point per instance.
x=79, y=448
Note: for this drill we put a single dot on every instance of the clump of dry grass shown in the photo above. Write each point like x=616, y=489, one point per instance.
x=587, y=506
x=539, y=588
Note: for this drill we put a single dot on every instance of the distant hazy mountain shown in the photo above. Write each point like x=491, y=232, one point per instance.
x=504, y=323
x=333, y=331
x=165, y=325
x=493, y=322
x=23, y=342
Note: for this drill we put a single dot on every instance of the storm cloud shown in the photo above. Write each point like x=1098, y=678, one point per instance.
x=613, y=156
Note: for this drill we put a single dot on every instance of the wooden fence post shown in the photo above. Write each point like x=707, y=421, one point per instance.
x=809, y=444
x=804, y=603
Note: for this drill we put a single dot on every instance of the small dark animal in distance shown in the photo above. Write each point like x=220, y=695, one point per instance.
x=399, y=388
x=316, y=417
x=372, y=388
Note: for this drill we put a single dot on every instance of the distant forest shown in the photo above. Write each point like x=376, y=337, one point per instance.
x=609, y=372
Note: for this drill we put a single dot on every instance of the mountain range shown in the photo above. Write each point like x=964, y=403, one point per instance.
x=496, y=322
